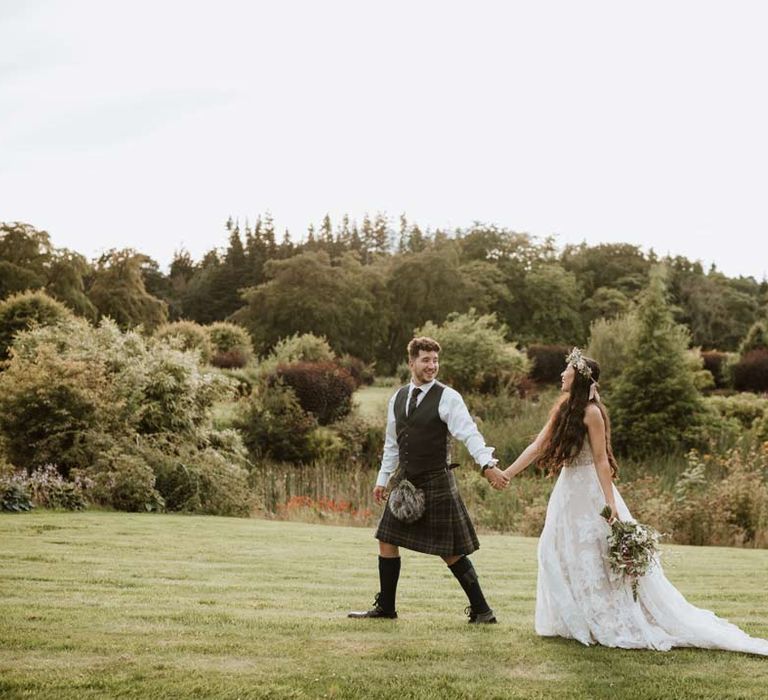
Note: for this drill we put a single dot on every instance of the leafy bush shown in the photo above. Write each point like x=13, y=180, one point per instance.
x=72, y=389
x=322, y=388
x=361, y=373
x=715, y=362
x=14, y=494
x=231, y=344
x=49, y=489
x=361, y=442
x=48, y=403
x=475, y=354
x=304, y=347
x=201, y=481
x=125, y=482
x=723, y=499
x=751, y=372
x=702, y=378
x=187, y=335
x=746, y=408
x=548, y=362
x=20, y=312
x=116, y=405
x=274, y=425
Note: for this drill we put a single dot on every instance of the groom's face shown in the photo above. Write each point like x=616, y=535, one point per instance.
x=424, y=367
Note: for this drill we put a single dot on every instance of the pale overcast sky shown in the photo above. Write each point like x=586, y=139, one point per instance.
x=146, y=124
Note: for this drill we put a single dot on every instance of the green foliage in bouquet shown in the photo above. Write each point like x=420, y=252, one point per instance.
x=632, y=549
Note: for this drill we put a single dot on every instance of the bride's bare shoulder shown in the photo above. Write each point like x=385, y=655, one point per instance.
x=593, y=415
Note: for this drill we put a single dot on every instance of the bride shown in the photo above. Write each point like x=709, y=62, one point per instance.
x=577, y=596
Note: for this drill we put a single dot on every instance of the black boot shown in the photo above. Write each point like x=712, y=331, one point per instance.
x=384, y=603
x=478, y=610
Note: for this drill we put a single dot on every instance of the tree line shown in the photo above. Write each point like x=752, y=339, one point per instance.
x=365, y=288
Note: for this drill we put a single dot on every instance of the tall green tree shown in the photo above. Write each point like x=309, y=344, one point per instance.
x=67, y=273
x=118, y=291
x=309, y=293
x=654, y=401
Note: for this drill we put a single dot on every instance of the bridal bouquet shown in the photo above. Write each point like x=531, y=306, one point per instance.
x=632, y=549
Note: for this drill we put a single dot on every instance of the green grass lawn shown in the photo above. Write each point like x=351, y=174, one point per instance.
x=372, y=401
x=108, y=605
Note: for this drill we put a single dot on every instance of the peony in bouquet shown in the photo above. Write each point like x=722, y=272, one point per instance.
x=632, y=549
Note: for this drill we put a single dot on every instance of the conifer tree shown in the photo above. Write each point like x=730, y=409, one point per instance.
x=402, y=241
x=366, y=239
x=381, y=234
x=655, y=400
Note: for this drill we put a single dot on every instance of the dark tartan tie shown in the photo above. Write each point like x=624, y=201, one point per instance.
x=412, y=403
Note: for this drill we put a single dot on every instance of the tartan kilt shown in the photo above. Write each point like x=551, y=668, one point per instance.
x=444, y=529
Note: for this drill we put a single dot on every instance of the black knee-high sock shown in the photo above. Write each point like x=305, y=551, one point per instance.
x=467, y=576
x=389, y=573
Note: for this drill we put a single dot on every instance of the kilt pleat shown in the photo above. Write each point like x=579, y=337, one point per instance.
x=444, y=529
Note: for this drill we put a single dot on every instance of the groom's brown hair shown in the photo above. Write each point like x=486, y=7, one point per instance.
x=422, y=343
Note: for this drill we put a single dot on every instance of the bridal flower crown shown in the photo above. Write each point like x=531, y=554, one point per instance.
x=579, y=363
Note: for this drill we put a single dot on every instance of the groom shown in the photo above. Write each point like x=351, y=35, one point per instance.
x=420, y=417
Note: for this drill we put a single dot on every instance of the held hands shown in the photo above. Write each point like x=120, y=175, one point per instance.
x=496, y=478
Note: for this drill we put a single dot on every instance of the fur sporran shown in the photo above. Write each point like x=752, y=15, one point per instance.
x=406, y=502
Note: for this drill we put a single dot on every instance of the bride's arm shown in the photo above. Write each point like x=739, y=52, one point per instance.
x=593, y=419
x=528, y=455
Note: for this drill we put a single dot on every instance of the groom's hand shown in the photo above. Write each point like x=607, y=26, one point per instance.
x=378, y=493
x=496, y=478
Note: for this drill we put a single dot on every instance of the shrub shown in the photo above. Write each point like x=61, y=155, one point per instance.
x=201, y=481
x=702, y=378
x=746, y=408
x=548, y=362
x=274, y=425
x=715, y=362
x=71, y=389
x=322, y=388
x=361, y=441
x=125, y=482
x=116, y=405
x=751, y=372
x=305, y=347
x=14, y=494
x=723, y=499
x=49, y=490
x=187, y=335
x=476, y=355
x=48, y=404
x=231, y=344
x=22, y=311
x=361, y=373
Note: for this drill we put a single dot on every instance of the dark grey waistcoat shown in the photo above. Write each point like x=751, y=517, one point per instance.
x=422, y=437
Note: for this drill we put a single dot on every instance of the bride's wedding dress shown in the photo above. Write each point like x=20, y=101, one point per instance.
x=579, y=597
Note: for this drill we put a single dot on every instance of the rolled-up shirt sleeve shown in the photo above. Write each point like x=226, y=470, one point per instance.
x=455, y=414
x=391, y=455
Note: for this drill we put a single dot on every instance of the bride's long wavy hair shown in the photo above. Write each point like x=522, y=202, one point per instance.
x=567, y=431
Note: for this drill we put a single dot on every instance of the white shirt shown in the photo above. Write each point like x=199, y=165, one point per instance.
x=453, y=412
